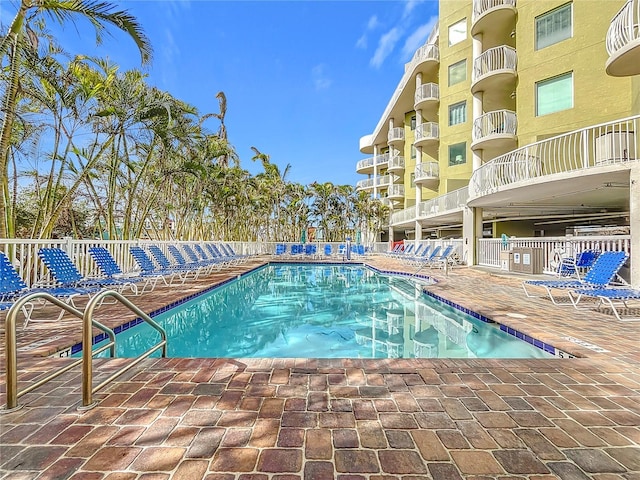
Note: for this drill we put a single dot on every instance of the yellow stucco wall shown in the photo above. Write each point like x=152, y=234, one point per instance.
x=597, y=97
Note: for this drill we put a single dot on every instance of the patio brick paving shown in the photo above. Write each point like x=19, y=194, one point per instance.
x=315, y=419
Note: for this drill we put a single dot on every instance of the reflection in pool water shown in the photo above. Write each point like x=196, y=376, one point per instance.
x=323, y=311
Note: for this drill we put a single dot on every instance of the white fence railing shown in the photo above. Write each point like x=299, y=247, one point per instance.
x=494, y=59
x=624, y=27
x=497, y=122
x=480, y=7
x=604, y=144
x=427, y=91
x=553, y=247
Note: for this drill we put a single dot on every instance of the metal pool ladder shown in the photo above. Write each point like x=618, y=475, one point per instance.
x=87, y=353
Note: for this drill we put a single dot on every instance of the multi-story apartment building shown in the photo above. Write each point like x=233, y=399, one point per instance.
x=513, y=119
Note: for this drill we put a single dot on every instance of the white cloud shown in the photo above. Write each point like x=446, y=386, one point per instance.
x=409, y=6
x=386, y=44
x=373, y=22
x=417, y=38
x=321, y=80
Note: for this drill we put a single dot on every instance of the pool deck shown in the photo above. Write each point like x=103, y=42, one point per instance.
x=286, y=419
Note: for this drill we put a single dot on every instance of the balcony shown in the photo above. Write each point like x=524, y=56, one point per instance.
x=395, y=192
x=367, y=165
x=623, y=41
x=488, y=14
x=427, y=96
x=370, y=183
x=495, y=130
x=427, y=133
x=395, y=135
x=495, y=69
x=426, y=53
x=613, y=145
x=427, y=174
x=396, y=164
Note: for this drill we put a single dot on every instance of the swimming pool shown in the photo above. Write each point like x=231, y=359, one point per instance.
x=323, y=311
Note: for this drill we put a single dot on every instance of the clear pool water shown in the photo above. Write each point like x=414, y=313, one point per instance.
x=323, y=311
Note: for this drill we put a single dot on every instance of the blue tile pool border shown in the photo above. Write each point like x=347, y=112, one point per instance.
x=550, y=349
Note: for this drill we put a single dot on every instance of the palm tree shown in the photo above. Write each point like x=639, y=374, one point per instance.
x=21, y=42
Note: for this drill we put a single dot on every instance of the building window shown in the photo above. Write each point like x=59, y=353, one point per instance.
x=413, y=122
x=554, y=94
x=413, y=179
x=458, y=32
x=457, y=113
x=554, y=26
x=413, y=151
x=458, y=154
x=458, y=72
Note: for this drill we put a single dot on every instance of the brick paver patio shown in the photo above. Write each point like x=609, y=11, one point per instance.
x=286, y=419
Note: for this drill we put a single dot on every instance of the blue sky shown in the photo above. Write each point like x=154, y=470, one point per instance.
x=304, y=80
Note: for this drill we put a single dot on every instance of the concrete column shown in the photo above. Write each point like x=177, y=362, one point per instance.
x=471, y=231
x=375, y=171
x=634, y=223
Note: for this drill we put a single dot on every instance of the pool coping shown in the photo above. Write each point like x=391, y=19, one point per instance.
x=544, y=346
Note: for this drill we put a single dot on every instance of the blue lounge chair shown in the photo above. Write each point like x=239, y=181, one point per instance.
x=110, y=269
x=427, y=259
x=600, y=275
x=165, y=264
x=231, y=253
x=222, y=256
x=570, y=267
x=281, y=249
x=66, y=274
x=328, y=250
x=612, y=298
x=211, y=263
x=12, y=287
x=147, y=267
x=444, y=259
x=310, y=250
x=196, y=266
x=419, y=258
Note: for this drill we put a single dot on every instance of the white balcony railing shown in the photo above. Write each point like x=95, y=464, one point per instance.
x=396, y=163
x=404, y=216
x=424, y=53
x=495, y=123
x=427, y=91
x=427, y=170
x=624, y=28
x=493, y=60
x=604, y=144
x=373, y=182
x=395, y=191
x=480, y=7
x=454, y=200
x=427, y=131
x=371, y=161
x=396, y=134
